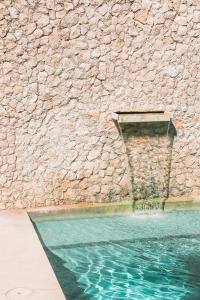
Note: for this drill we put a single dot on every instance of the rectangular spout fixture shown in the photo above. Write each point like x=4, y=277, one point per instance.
x=141, y=117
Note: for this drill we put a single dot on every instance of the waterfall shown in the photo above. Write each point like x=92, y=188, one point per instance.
x=148, y=139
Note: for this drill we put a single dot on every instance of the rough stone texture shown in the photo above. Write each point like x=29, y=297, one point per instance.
x=65, y=67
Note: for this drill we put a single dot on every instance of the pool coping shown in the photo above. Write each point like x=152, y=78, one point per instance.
x=25, y=271
x=128, y=206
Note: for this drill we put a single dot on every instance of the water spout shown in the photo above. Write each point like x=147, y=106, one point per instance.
x=148, y=139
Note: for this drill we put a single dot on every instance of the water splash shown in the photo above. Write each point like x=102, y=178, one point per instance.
x=148, y=206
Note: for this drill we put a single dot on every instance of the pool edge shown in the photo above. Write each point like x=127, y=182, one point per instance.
x=25, y=268
x=170, y=204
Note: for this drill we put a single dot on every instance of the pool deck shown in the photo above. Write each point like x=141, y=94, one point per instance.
x=25, y=272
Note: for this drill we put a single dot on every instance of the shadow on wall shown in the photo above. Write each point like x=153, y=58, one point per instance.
x=149, y=152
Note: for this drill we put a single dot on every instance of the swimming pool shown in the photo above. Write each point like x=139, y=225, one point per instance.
x=125, y=256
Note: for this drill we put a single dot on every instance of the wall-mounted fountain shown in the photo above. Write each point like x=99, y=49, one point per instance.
x=148, y=137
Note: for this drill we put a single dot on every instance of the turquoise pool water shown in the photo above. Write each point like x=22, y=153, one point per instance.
x=125, y=256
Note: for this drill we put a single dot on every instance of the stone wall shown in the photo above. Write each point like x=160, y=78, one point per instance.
x=65, y=67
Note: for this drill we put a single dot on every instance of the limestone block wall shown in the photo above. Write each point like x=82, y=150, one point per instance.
x=65, y=66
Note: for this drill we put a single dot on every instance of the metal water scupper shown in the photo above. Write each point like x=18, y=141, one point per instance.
x=141, y=117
